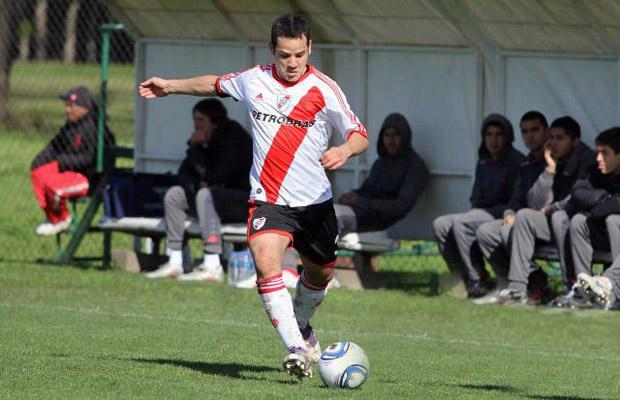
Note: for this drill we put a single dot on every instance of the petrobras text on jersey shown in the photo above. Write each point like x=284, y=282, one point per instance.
x=281, y=120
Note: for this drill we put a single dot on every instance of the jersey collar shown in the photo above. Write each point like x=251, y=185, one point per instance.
x=274, y=74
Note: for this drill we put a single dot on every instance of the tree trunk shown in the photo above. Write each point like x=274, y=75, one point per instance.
x=69, y=48
x=40, y=23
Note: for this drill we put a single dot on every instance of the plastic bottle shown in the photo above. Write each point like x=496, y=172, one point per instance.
x=233, y=268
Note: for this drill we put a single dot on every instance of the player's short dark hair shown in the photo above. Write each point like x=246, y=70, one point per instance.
x=289, y=26
x=535, y=115
x=609, y=137
x=569, y=125
x=212, y=108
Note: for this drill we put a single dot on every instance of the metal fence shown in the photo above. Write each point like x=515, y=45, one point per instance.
x=46, y=48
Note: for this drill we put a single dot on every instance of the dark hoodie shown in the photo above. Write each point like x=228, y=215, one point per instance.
x=75, y=146
x=556, y=187
x=395, y=182
x=495, y=180
x=225, y=160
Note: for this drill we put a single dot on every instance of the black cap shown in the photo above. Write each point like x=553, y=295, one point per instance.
x=79, y=95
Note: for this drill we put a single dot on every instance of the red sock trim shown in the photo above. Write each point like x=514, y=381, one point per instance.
x=270, y=285
x=308, y=285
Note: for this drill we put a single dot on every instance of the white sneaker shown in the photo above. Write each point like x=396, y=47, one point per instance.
x=200, y=273
x=47, y=228
x=489, y=298
x=166, y=271
x=597, y=288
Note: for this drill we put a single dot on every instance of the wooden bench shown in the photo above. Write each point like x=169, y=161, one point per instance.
x=364, y=245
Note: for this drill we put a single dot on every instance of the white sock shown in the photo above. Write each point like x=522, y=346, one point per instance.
x=307, y=300
x=176, y=258
x=279, y=308
x=211, y=261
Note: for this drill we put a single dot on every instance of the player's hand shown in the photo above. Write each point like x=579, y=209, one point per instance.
x=198, y=137
x=545, y=208
x=348, y=198
x=551, y=164
x=509, y=219
x=335, y=157
x=154, y=87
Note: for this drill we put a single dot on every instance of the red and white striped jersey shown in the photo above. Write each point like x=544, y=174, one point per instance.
x=291, y=126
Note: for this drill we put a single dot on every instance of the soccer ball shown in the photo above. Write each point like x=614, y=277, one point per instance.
x=344, y=365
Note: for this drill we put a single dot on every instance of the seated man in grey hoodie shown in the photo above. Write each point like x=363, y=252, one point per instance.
x=494, y=237
x=495, y=176
x=396, y=180
x=568, y=159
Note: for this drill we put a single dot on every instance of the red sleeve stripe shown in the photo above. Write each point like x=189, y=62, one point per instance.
x=353, y=132
x=340, y=98
x=218, y=87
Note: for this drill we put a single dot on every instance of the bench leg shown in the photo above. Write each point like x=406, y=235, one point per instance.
x=107, y=249
x=363, y=266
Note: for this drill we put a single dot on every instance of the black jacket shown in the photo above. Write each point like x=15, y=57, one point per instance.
x=495, y=180
x=75, y=147
x=395, y=182
x=528, y=173
x=225, y=160
x=598, y=195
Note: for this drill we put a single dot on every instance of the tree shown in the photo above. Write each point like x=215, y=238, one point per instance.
x=12, y=12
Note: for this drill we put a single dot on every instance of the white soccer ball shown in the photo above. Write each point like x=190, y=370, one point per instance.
x=344, y=365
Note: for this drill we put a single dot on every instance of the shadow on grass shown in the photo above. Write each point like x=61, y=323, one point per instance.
x=525, y=395
x=415, y=282
x=231, y=370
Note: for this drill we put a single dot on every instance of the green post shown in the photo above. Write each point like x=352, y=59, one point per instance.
x=65, y=255
x=106, y=31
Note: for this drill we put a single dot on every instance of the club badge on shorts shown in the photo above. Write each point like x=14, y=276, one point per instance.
x=258, y=223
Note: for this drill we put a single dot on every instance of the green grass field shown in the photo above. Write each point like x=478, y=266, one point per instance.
x=72, y=333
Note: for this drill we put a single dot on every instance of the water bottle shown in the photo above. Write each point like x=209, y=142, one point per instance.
x=233, y=268
x=248, y=266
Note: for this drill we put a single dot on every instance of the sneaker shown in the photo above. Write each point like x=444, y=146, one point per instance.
x=200, y=273
x=571, y=299
x=312, y=343
x=489, y=298
x=166, y=270
x=47, y=228
x=596, y=288
x=297, y=363
x=475, y=289
x=510, y=296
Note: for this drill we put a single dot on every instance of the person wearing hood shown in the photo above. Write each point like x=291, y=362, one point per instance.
x=496, y=172
x=213, y=184
x=494, y=237
x=568, y=159
x=396, y=180
x=61, y=171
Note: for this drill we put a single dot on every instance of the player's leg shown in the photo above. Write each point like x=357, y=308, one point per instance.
x=464, y=230
x=175, y=213
x=210, y=269
x=529, y=226
x=490, y=239
x=268, y=252
x=560, y=224
x=444, y=235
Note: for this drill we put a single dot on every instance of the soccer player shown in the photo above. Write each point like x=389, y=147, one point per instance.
x=293, y=108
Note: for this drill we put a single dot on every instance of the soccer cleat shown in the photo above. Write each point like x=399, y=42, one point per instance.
x=489, y=298
x=166, y=270
x=47, y=228
x=204, y=274
x=312, y=343
x=596, y=288
x=572, y=299
x=510, y=296
x=297, y=363
x=475, y=289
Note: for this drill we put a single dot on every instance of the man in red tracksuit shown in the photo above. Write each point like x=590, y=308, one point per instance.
x=59, y=172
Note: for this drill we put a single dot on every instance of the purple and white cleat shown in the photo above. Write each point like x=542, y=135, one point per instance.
x=312, y=343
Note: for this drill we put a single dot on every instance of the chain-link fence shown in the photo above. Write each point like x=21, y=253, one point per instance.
x=46, y=48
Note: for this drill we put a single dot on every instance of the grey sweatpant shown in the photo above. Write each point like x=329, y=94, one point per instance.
x=586, y=235
x=347, y=221
x=456, y=238
x=529, y=227
x=494, y=239
x=232, y=207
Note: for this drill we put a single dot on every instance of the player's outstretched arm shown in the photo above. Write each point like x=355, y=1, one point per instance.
x=336, y=157
x=197, y=86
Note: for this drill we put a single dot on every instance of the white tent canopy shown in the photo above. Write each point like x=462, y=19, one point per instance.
x=444, y=64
